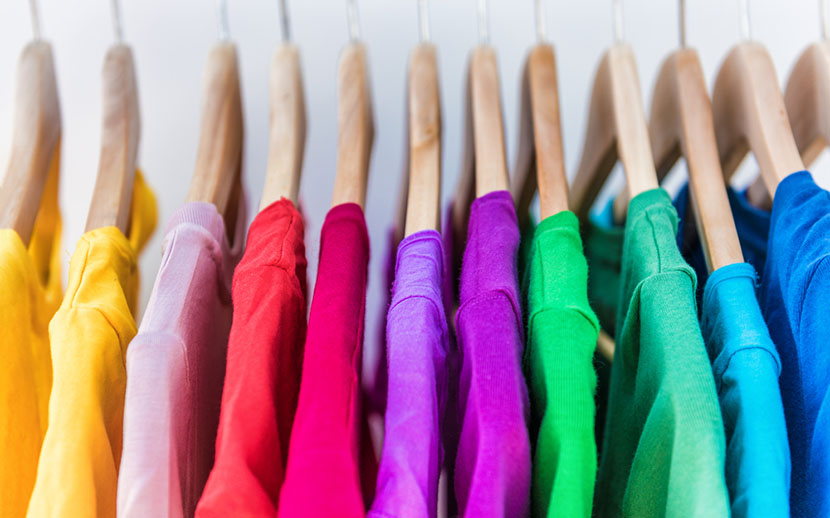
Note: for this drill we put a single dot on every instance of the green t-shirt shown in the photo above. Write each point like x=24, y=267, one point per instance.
x=603, y=250
x=561, y=337
x=664, y=449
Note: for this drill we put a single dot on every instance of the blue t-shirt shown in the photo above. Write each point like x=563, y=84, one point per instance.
x=751, y=223
x=794, y=296
x=746, y=367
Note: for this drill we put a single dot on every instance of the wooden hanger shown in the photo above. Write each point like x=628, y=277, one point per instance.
x=616, y=130
x=286, y=144
x=750, y=114
x=424, y=112
x=484, y=167
x=219, y=156
x=540, y=160
x=36, y=138
x=681, y=124
x=121, y=126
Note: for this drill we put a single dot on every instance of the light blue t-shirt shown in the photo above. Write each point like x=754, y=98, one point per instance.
x=746, y=368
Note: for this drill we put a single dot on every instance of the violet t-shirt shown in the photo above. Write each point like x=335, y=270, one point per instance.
x=417, y=344
x=175, y=368
x=492, y=471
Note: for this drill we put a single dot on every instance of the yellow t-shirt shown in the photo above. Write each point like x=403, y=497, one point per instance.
x=89, y=334
x=30, y=292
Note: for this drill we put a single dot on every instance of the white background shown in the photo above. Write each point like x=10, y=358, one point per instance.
x=171, y=39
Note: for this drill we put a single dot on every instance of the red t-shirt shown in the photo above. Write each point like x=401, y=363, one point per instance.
x=265, y=356
x=323, y=477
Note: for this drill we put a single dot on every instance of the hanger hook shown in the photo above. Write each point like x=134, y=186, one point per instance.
x=117, y=26
x=423, y=20
x=483, y=23
x=222, y=20
x=682, y=24
x=284, y=25
x=618, y=21
x=353, y=20
x=825, y=18
x=746, y=29
x=35, y=14
x=541, y=29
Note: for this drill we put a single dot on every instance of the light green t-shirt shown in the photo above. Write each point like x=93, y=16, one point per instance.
x=561, y=337
x=664, y=446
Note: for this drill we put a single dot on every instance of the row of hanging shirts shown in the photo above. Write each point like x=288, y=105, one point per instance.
x=747, y=112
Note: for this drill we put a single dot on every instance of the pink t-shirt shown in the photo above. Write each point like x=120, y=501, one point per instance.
x=175, y=368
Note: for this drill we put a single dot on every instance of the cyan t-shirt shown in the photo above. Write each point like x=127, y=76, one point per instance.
x=746, y=367
x=794, y=297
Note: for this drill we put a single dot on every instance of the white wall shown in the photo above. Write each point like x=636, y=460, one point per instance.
x=171, y=40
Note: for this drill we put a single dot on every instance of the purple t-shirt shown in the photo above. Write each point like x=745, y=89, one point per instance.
x=492, y=472
x=175, y=368
x=416, y=343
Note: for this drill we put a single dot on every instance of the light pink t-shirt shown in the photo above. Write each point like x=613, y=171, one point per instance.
x=176, y=367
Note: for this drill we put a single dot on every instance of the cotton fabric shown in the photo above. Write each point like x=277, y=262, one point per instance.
x=323, y=476
x=562, y=333
x=31, y=292
x=492, y=471
x=176, y=366
x=664, y=451
x=746, y=367
x=603, y=250
x=794, y=300
x=417, y=344
x=89, y=335
x=265, y=351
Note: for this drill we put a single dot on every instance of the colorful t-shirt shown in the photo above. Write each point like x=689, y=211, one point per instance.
x=323, y=475
x=492, y=471
x=793, y=297
x=265, y=352
x=176, y=366
x=417, y=345
x=664, y=451
x=89, y=334
x=31, y=293
x=562, y=334
x=746, y=367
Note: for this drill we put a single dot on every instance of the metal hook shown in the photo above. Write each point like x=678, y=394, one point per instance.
x=746, y=32
x=541, y=29
x=682, y=24
x=483, y=23
x=35, y=14
x=353, y=20
x=825, y=18
x=222, y=20
x=284, y=25
x=117, y=22
x=423, y=20
x=618, y=21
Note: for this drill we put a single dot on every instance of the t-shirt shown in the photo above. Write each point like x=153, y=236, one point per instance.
x=562, y=334
x=323, y=476
x=176, y=366
x=746, y=367
x=492, y=471
x=417, y=345
x=603, y=251
x=89, y=335
x=751, y=223
x=30, y=278
x=794, y=300
x=265, y=352
x=664, y=450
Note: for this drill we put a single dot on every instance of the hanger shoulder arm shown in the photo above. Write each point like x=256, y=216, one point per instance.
x=121, y=127
x=807, y=98
x=424, y=192
x=219, y=155
x=36, y=137
x=488, y=128
x=355, y=126
x=287, y=134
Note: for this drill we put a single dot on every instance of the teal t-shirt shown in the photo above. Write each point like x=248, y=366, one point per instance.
x=561, y=337
x=664, y=448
